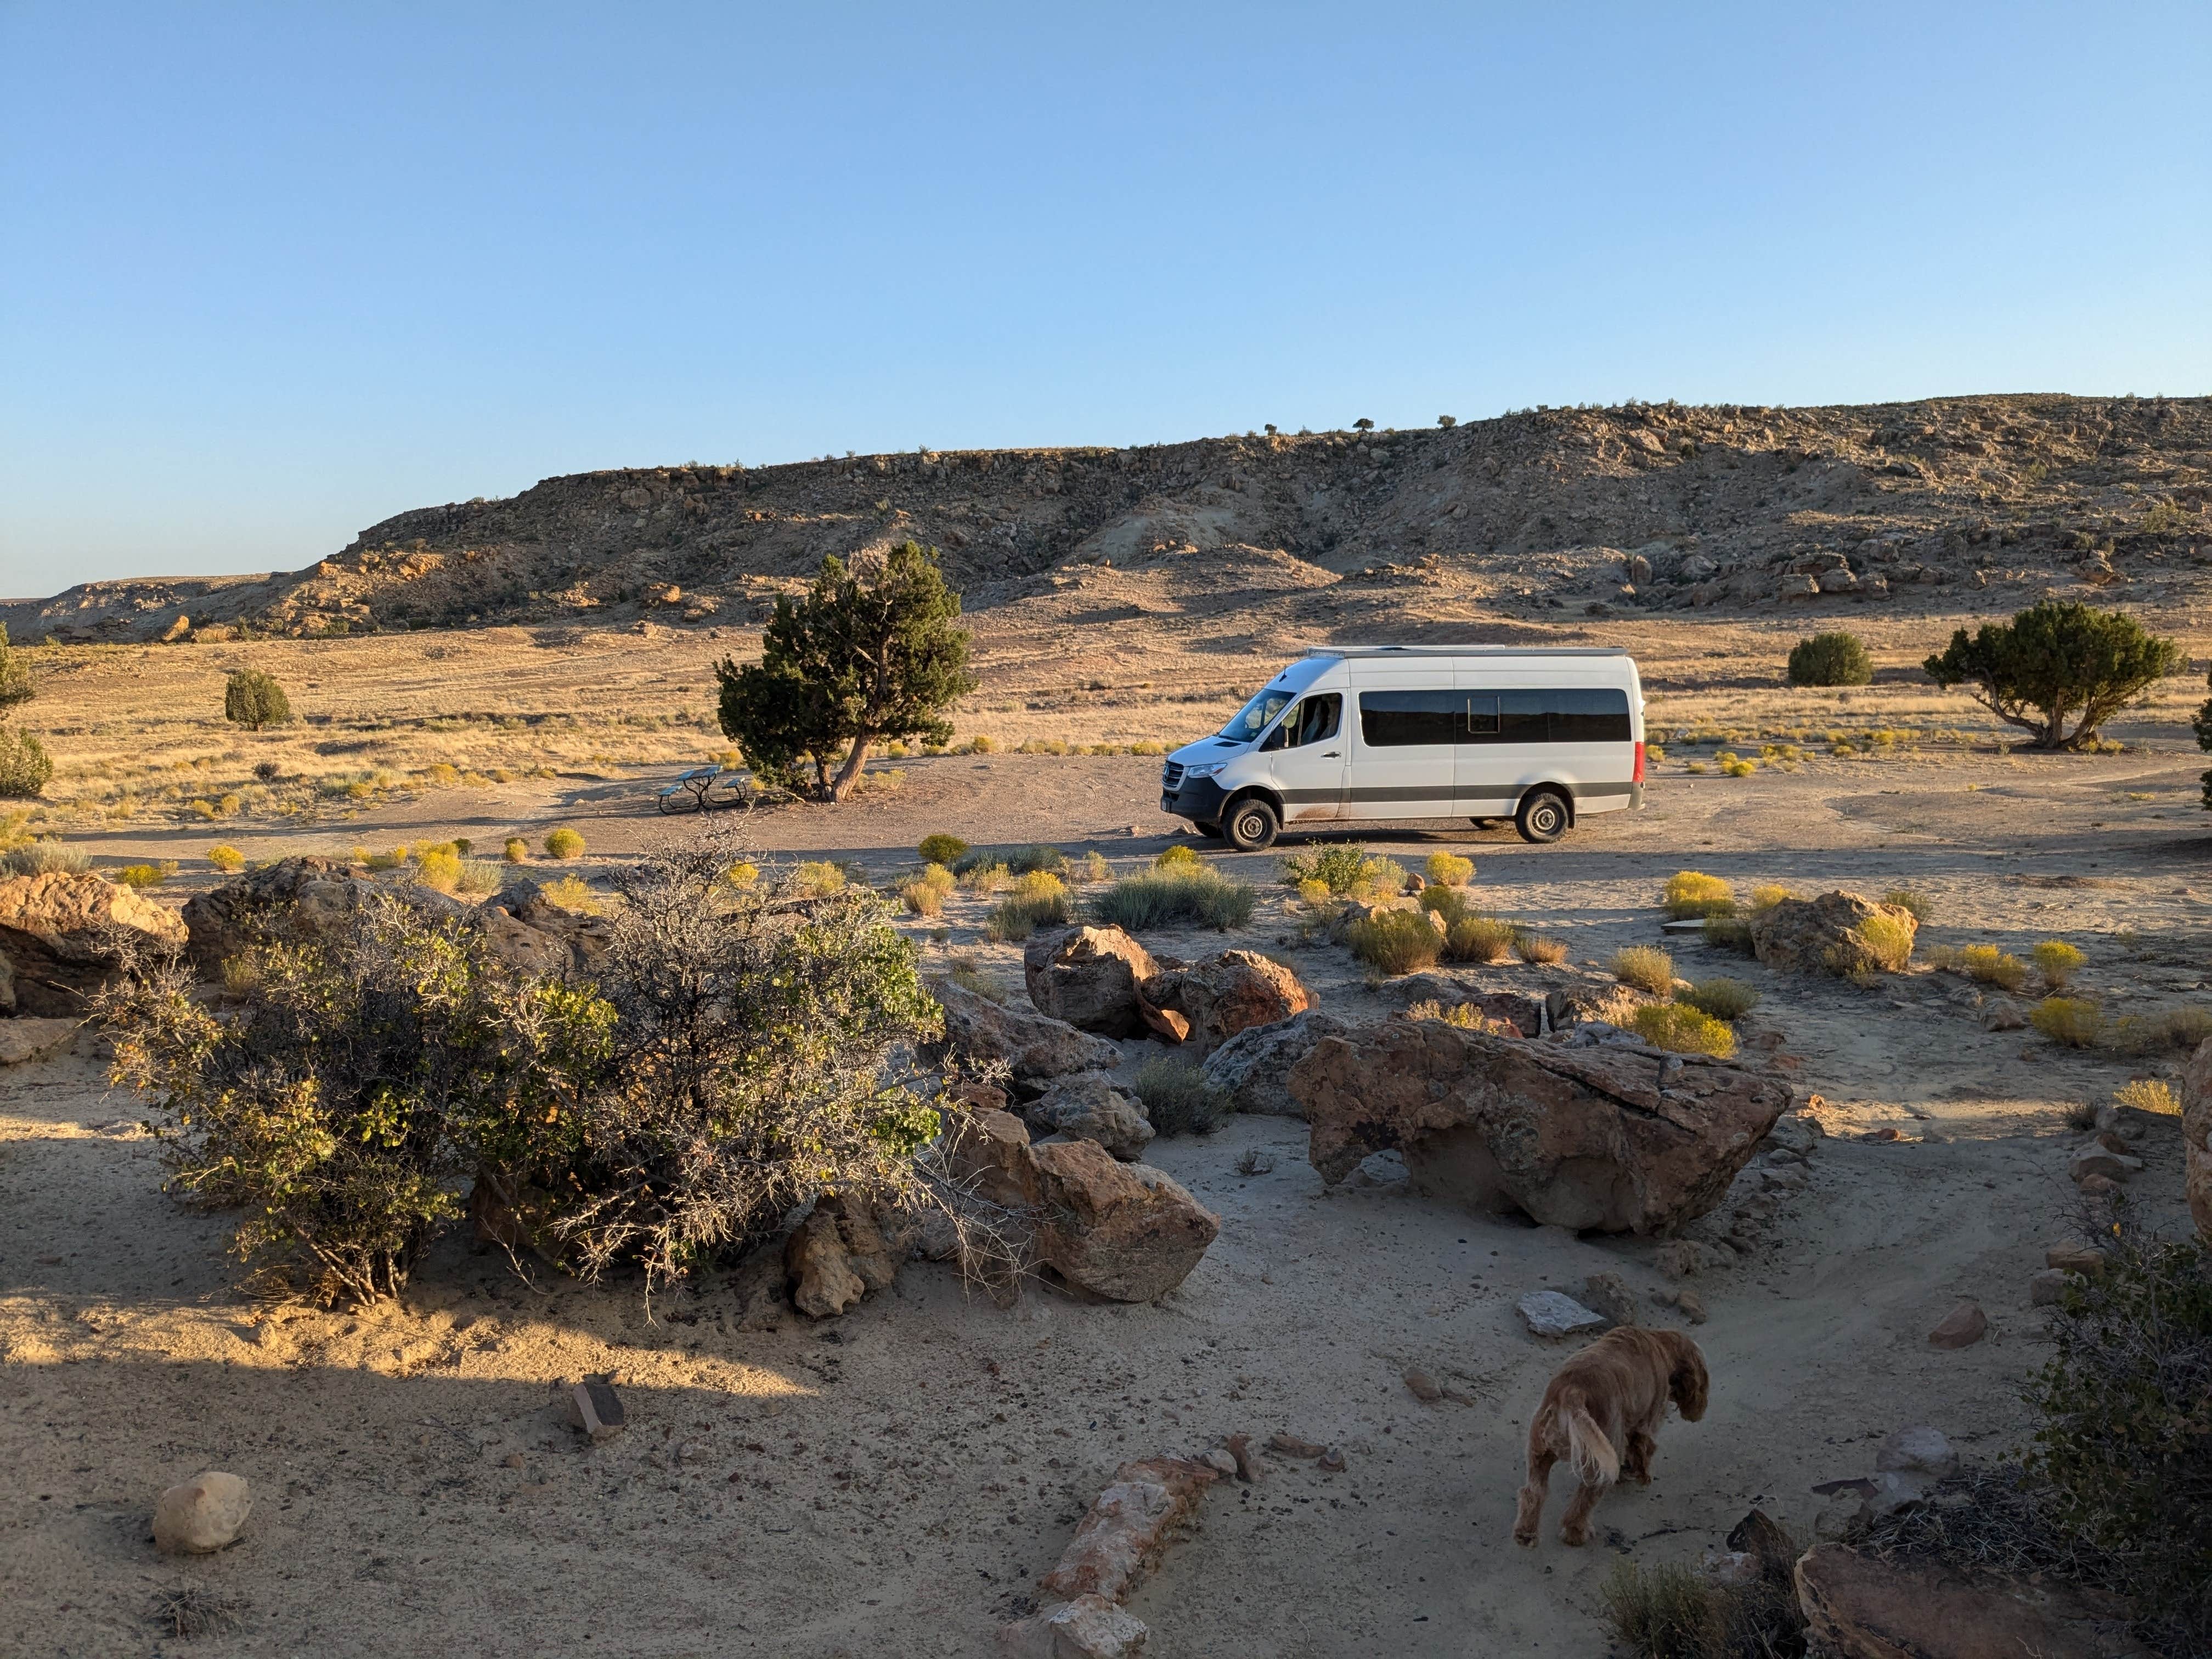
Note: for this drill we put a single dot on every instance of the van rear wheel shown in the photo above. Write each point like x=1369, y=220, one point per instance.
x=1543, y=816
x=1250, y=826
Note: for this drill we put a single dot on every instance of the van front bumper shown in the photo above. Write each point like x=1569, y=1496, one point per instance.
x=1201, y=800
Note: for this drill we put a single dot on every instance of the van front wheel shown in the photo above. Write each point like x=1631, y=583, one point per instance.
x=1250, y=826
x=1542, y=816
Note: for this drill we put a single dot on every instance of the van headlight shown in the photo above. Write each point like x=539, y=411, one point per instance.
x=1203, y=769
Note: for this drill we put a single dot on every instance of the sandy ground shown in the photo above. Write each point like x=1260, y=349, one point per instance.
x=896, y=1480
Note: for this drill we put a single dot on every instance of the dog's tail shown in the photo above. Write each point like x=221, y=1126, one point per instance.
x=1595, y=1462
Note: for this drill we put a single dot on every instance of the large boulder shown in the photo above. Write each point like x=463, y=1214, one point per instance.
x=1616, y=1139
x=1088, y=1107
x=292, y=899
x=64, y=935
x=2196, y=1136
x=1034, y=1047
x=1254, y=1067
x=1090, y=977
x=1228, y=994
x=988, y=1153
x=1524, y=1012
x=1124, y=1231
x=1803, y=935
x=532, y=933
x=1858, y=1608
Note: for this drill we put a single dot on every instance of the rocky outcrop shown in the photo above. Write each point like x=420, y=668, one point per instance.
x=1124, y=1231
x=533, y=933
x=1090, y=977
x=64, y=935
x=1088, y=1107
x=2196, y=1136
x=1224, y=994
x=1805, y=935
x=1034, y=1047
x=1253, y=1068
x=1524, y=1012
x=1857, y=1608
x=292, y=899
x=1616, y=1139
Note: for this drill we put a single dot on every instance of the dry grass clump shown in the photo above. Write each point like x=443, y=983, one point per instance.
x=1179, y=1098
x=1671, y=1612
x=1767, y=895
x=1395, y=941
x=570, y=893
x=438, y=868
x=1722, y=998
x=1479, y=938
x=1887, y=941
x=1988, y=965
x=1917, y=903
x=2058, y=962
x=1540, y=950
x=190, y=1611
x=985, y=879
x=45, y=858
x=227, y=859
x=926, y=894
x=1691, y=894
x=1203, y=897
x=1448, y=870
x=2148, y=1094
x=1092, y=866
x=2184, y=1029
x=817, y=878
x=1181, y=856
x=564, y=843
x=941, y=848
x=1467, y=1016
x=1039, y=898
x=1645, y=967
x=968, y=974
x=517, y=850
x=1683, y=1030
x=2073, y=1021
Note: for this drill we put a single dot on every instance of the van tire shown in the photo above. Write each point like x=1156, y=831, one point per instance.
x=1250, y=825
x=1544, y=815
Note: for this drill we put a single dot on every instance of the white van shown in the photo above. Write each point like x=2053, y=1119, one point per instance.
x=1359, y=734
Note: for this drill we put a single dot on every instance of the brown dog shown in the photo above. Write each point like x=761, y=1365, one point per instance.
x=1602, y=1414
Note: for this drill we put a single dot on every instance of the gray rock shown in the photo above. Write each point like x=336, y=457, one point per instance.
x=1036, y=1049
x=1548, y=1313
x=1254, y=1067
x=2098, y=1162
x=1917, y=1450
x=1088, y=1107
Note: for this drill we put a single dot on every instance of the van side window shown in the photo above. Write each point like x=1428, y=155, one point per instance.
x=1398, y=720
x=1555, y=714
x=1318, y=719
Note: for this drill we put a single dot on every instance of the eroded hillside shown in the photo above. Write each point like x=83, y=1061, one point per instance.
x=1724, y=506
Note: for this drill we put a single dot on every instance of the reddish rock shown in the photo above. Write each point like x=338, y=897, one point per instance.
x=823, y=1279
x=1857, y=1608
x=1129, y=1526
x=1088, y=976
x=1124, y=1231
x=1034, y=1047
x=64, y=935
x=989, y=1154
x=1962, y=1328
x=1607, y=1137
x=1228, y=994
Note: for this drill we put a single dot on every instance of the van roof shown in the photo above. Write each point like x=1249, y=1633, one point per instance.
x=1361, y=651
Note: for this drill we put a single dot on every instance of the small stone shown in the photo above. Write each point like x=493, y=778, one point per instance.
x=512, y=1460
x=1681, y=1258
x=2075, y=1259
x=2111, y=1141
x=2003, y=1017
x=1548, y=1313
x=1963, y=1327
x=1422, y=1386
x=595, y=1409
x=1917, y=1450
x=1089, y=1627
x=2114, y=1166
x=200, y=1516
x=1887, y=1131
x=1332, y=1460
x=1692, y=1304
x=1732, y=1568
x=2046, y=1288
x=2097, y=1186
x=1289, y=1445
x=1248, y=1466
x=1220, y=1460
x=1608, y=1294
x=1898, y=1489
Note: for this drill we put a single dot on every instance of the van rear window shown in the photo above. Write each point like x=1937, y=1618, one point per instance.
x=1392, y=719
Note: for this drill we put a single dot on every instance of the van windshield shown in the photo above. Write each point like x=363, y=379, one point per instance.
x=1252, y=720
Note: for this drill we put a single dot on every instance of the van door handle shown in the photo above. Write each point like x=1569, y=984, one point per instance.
x=1331, y=754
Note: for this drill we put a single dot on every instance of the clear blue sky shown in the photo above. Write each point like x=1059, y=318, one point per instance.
x=270, y=273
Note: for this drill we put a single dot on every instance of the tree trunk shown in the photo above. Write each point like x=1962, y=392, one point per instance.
x=848, y=775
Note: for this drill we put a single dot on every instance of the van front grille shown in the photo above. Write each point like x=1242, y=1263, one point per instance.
x=1171, y=777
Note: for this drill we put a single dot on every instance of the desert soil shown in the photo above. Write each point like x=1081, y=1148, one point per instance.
x=896, y=1480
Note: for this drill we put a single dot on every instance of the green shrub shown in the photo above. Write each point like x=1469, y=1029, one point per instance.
x=1690, y=893
x=2124, y=1443
x=817, y=878
x=941, y=848
x=1831, y=659
x=1767, y=895
x=1039, y=899
x=564, y=843
x=1337, y=868
x=1645, y=967
x=2056, y=661
x=516, y=851
x=1722, y=998
x=25, y=767
x=1918, y=904
x=1092, y=866
x=1395, y=941
x=478, y=877
x=2058, y=962
x=1168, y=898
x=1179, y=1098
x=1030, y=860
x=438, y=868
x=1991, y=966
x=16, y=685
x=1448, y=870
x=2182, y=1028
x=1380, y=879
x=382, y=861
x=45, y=858
x=2073, y=1021
x=1683, y=1029
x=572, y=893
x=1449, y=902
x=1479, y=938
x=1535, y=949
x=1736, y=766
x=926, y=894
x=253, y=700
x=1181, y=856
